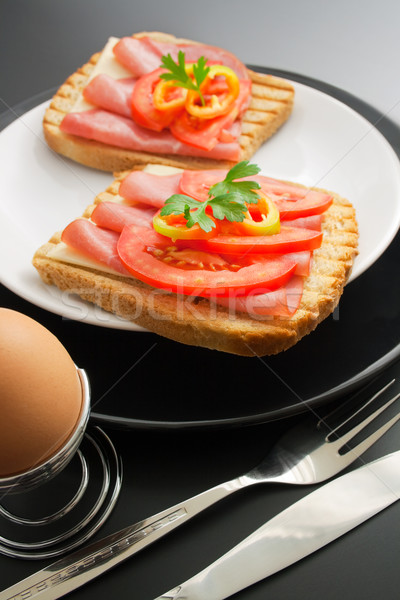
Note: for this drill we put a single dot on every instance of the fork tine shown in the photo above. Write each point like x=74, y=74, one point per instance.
x=339, y=409
x=371, y=439
x=360, y=426
x=355, y=430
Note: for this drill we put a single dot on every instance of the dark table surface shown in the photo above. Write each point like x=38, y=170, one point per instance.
x=163, y=466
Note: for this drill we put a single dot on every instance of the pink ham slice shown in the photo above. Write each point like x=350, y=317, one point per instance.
x=95, y=243
x=301, y=258
x=303, y=262
x=115, y=130
x=312, y=222
x=112, y=215
x=111, y=94
x=232, y=133
x=140, y=56
x=140, y=186
x=137, y=55
x=282, y=302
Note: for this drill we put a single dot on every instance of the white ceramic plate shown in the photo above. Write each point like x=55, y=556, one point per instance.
x=323, y=144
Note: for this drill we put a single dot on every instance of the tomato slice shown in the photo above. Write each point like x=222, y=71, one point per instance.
x=142, y=105
x=314, y=203
x=201, y=133
x=143, y=253
x=196, y=184
x=290, y=239
x=205, y=133
x=292, y=202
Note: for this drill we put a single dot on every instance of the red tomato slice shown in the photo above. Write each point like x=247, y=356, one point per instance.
x=314, y=203
x=142, y=251
x=290, y=239
x=293, y=202
x=201, y=133
x=143, y=109
x=205, y=133
x=196, y=184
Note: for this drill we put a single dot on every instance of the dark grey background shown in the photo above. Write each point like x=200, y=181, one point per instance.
x=353, y=45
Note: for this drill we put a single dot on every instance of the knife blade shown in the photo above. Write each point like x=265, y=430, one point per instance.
x=381, y=488
x=306, y=526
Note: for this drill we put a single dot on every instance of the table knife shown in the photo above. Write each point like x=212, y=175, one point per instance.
x=306, y=526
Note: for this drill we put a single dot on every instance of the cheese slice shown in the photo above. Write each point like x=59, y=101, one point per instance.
x=162, y=169
x=65, y=254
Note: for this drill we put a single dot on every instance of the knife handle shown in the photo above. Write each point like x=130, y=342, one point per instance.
x=85, y=564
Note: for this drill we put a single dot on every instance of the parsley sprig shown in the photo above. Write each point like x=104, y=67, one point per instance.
x=178, y=75
x=228, y=199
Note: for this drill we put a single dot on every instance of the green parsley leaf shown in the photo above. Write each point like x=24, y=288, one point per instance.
x=242, y=169
x=244, y=190
x=225, y=207
x=228, y=199
x=177, y=73
x=193, y=210
x=177, y=203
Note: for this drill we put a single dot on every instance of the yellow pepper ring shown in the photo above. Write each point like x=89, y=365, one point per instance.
x=179, y=231
x=215, y=107
x=270, y=221
x=167, y=96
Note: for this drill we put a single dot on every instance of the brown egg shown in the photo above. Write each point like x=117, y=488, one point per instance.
x=40, y=393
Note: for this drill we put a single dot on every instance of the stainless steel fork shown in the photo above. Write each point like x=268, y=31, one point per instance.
x=308, y=453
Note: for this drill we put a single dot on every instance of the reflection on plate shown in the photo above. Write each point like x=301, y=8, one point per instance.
x=324, y=144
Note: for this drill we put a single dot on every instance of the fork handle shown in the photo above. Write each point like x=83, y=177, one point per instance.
x=83, y=565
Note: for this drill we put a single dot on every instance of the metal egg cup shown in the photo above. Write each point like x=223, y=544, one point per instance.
x=37, y=476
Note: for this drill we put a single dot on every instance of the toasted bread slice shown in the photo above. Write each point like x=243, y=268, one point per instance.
x=196, y=321
x=270, y=106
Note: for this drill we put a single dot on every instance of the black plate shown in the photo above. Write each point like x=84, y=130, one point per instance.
x=140, y=380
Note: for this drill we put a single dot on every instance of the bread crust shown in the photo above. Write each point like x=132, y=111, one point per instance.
x=271, y=104
x=197, y=321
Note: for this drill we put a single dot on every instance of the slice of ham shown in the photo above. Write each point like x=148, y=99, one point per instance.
x=111, y=94
x=232, y=133
x=142, y=55
x=282, y=302
x=312, y=222
x=140, y=186
x=115, y=130
x=114, y=216
x=94, y=242
x=137, y=55
x=301, y=258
